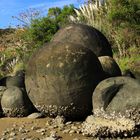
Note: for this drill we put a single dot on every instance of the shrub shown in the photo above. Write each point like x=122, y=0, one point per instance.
x=41, y=31
x=117, y=19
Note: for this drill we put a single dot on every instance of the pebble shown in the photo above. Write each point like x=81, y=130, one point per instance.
x=74, y=127
x=68, y=123
x=12, y=134
x=71, y=131
x=66, y=131
x=3, y=139
x=41, y=130
x=11, y=138
x=35, y=115
x=76, y=139
x=35, y=128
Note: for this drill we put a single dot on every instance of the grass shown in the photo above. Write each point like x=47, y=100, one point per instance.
x=131, y=61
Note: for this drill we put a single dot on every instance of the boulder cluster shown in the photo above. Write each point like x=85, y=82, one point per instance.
x=75, y=76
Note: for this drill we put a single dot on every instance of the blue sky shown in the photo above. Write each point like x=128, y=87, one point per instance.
x=9, y=8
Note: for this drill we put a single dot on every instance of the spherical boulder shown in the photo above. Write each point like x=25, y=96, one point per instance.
x=60, y=79
x=15, y=103
x=109, y=66
x=119, y=95
x=87, y=36
x=16, y=80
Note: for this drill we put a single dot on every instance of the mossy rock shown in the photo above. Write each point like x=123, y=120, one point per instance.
x=109, y=66
x=87, y=36
x=60, y=79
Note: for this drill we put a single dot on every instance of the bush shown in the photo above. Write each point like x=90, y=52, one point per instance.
x=41, y=31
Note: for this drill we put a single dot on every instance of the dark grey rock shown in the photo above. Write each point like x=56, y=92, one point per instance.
x=17, y=80
x=87, y=36
x=60, y=79
x=120, y=95
x=2, y=89
x=15, y=102
x=110, y=66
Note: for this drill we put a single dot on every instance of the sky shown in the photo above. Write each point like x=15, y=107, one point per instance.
x=9, y=8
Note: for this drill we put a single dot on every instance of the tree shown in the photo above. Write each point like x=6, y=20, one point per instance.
x=61, y=16
x=41, y=30
x=26, y=17
x=54, y=12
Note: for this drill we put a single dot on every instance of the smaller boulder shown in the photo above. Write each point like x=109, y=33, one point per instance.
x=118, y=96
x=15, y=102
x=16, y=80
x=109, y=66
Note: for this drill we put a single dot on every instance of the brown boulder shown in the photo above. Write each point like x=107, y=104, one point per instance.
x=60, y=79
x=87, y=36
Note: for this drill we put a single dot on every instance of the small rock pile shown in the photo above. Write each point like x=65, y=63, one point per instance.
x=109, y=127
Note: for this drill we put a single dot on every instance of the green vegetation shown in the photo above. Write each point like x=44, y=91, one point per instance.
x=42, y=29
x=117, y=19
x=34, y=31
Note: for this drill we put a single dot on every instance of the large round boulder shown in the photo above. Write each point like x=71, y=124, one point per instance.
x=87, y=36
x=109, y=66
x=118, y=95
x=15, y=102
x=60, y=79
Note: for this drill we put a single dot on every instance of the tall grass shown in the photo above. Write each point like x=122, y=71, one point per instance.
x=102, y=16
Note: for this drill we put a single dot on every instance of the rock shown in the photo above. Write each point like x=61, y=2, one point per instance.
x=12, y=134
x=120, y=95
x=2, y=89
x=76, y=139
x=3, y=81
x=35, y=128
x=68, y=123
x=53, y=136
x=41, y=130
x=109, y=66
x=15, y=103
x=59, y=121
x=128, y=73
x=60, y=79
x=103, y=127
x=17, y=80
x=86, y=36
x=35, y=115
